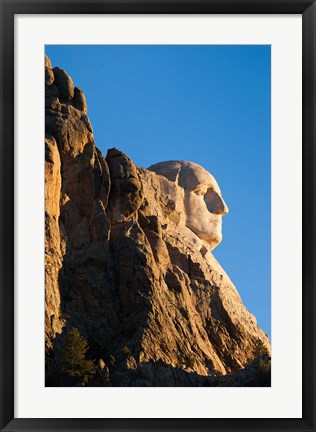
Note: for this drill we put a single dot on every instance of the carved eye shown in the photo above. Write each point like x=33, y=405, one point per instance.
x=199, y=193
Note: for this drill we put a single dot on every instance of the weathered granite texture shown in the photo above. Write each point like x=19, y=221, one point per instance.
x=124, y=266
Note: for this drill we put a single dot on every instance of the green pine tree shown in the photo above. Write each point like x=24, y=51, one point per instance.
x=263, y=373
x=259, y=349
x=73, y=356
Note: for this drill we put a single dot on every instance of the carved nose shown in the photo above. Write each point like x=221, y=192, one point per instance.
x=215, y=203
x=225, y=208
x=220, y=208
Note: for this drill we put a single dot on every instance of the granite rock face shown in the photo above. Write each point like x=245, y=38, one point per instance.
x=122, y=266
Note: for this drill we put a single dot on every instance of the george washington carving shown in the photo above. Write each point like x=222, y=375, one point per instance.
x=203, y=202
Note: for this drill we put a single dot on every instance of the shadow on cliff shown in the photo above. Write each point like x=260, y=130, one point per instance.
x=160, y=374
x=126, y=371
x=155, y=374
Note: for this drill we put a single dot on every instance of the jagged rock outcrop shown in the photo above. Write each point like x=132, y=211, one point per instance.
x=122, y=266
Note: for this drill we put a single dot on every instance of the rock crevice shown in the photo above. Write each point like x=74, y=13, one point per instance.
x=122, y=267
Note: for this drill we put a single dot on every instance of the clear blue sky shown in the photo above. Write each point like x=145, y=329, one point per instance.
x=202, y=103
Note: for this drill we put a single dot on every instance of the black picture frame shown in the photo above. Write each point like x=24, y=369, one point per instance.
x=8, y=9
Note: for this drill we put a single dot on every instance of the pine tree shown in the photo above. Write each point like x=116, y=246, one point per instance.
x=73, y=356
x=259, y=349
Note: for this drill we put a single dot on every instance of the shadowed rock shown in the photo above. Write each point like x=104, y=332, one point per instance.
x=128, y=260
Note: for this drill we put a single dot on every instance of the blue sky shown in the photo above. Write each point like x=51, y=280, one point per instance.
x=208, y=104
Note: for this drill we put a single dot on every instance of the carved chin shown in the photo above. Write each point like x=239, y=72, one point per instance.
x=212, y=237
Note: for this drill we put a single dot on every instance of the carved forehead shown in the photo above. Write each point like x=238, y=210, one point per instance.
x=189, y=175
x=193, y=175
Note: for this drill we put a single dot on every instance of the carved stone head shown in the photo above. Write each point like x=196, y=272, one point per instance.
x=203, y=202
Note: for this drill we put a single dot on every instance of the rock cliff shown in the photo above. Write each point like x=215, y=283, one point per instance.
x=122, y=267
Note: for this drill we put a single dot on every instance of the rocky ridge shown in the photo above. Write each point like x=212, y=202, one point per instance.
x=121, y=266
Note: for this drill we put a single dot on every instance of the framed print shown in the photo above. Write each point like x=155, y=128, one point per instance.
x=157, y=253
